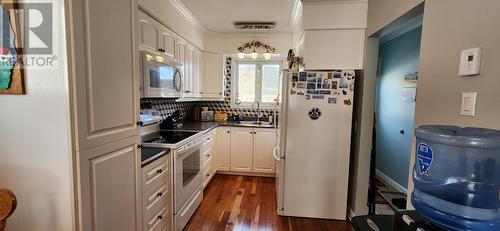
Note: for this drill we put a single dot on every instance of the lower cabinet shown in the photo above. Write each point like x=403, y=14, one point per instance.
x=207, y=157
x=108, y=175
x=246, y=150
x=241, y=149
x=157, y=196
x=222, y=148
x=264, y=141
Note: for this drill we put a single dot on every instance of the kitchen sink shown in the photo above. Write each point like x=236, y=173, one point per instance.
x=255, y=124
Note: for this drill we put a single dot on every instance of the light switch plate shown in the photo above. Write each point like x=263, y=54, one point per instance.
x=468, y=104
x=470, y=62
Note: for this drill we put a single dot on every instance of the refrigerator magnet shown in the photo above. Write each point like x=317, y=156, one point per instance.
x=337, y=74
x=344, y=92
x=295, y=77
x=332, y=100
x=318, y=96
x=325, y=92
x=307, y=97
x=301, y=85
x=347, y=101
x=302, y=76
x=300, y=92
x=336, y=92
x=293, y=92
x=330, y=75
x=334, y=85
x=351, y=87
x=294, y=84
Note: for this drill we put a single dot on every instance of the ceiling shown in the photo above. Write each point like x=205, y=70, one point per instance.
x=220, y=15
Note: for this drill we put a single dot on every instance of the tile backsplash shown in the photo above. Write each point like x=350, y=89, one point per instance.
x=167, y=106
x=225, y=106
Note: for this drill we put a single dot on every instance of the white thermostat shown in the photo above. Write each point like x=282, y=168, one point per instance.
x=470, y=62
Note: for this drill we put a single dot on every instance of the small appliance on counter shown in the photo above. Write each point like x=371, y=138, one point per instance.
x=173, y=121
x=207, y=116
x=149, y=116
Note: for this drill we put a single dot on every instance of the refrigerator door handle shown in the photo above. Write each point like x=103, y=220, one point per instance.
x=274, y=153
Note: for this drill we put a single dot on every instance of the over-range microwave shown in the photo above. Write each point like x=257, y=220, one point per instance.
x=161, y=76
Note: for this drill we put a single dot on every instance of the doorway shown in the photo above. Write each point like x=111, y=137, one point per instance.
x=395, y=96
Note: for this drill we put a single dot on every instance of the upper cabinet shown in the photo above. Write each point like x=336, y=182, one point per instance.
x=105, y=71
x=153, y=36
x=333, y=35
x=213, y=77
x=333, y=49
x=202, y=72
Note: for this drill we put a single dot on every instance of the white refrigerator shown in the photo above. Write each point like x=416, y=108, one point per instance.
x=313, y=153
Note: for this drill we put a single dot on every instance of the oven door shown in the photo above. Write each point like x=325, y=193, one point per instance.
x=188, y=176
x=161, y=77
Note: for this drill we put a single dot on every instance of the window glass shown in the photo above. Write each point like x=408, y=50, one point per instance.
x=270, y=82
x=246, y=82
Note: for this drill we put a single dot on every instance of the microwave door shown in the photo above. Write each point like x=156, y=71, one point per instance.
x=159, y=80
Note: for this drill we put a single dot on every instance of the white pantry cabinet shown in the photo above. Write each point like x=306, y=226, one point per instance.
x=213, y=76
x=155, y=37
x=241, y=149
x=263, y=145
x=104, y=84
x=223, y=148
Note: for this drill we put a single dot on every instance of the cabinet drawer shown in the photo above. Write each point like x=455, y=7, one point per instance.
x=158, y=171
x=207, y=175
x=155, y=199
x=159, y=221
x=206, y=156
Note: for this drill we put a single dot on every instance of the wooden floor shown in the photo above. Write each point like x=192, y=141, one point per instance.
x=243, y=203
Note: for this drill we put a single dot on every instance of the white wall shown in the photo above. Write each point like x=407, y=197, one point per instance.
x=35, y=145
x=228, y=43
x=446, y=31
x=382, y=12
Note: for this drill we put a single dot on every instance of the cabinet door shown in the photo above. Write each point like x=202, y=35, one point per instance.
x=181, y=58
x=105, y=81
x=263, y=146
x=241, y=149
x=223, y=148
x=197, y=77
x=188, y=71
x=108, y=176
x=167, y=41
x=148, y=32
x=213, y=75
x=334, y=49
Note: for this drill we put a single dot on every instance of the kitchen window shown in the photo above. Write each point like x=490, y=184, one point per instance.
x=255, y=81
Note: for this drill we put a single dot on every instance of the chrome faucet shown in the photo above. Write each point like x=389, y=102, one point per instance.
x=258, y=110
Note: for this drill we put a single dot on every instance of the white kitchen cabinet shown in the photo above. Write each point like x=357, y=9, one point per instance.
x=241, y=149
x=157, y=196
x=213, y=76
x=109, y=197
x=334, y=49
x=104, y=79
x=105, y=88
x=263, y=145
x=155, y=37
x=223, y=148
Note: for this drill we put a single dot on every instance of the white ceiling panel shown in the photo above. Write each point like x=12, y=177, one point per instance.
x=220, y=15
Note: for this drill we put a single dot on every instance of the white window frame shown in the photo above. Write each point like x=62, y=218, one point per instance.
x=258, y=83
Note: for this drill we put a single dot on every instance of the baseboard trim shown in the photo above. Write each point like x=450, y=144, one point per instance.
x=246, y=174
x=391, y=182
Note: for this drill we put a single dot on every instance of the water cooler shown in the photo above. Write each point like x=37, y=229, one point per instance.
x=457, y=177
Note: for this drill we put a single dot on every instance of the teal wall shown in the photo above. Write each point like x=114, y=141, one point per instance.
x=398, y=57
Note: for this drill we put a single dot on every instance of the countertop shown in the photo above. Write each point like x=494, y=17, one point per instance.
x=199, y=126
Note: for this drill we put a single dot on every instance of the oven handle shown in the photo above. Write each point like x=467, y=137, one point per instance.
x=189, y=150
x=178, y=84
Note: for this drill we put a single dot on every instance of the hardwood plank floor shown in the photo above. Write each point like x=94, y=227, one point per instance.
x=244, y=203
